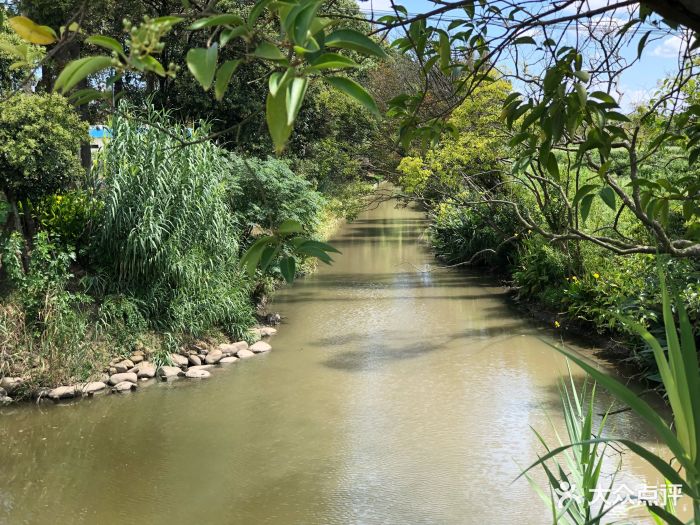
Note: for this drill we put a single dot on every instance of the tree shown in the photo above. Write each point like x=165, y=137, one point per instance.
x=40, y=138
x=565, y=58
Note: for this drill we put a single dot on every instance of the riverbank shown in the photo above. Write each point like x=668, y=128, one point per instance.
x=125, y=374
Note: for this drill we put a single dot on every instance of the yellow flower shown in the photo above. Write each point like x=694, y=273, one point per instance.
x=574, y=278
x=556, y=324
x=596, y=275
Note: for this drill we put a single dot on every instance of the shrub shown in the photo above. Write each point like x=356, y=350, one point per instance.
x=459, y=233
x=40, y=137
x=270, y=192
x=167, y=235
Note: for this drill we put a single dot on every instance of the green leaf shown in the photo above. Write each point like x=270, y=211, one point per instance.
x=583, y=191
x=217, y=20
x=608, y=195
x=290, y=226
x=331, y=61
x=202, y=64
x=445, y=51
x=228, y=34
x=582, y=93
x=31, y=32
x=553, y=166
x=354, y=90
x=79, y=70
x=252, y=256
x=603, y=96
x=586, y=206
x=288, y=269
x=269, y=51
x=356, y=41
x=106, y=42
x=524, y=40
x=318, y=245
x=642, y=43
x=296, y=93
x=583, y=76
x=276, y=116
x=268, y=255
x=223, y=77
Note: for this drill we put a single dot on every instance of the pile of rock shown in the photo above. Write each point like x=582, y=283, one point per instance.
x=124, y=375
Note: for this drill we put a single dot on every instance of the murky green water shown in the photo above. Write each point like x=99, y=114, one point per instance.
x=392, y=396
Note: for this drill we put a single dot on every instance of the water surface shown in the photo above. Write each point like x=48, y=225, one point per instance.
x=396, y=393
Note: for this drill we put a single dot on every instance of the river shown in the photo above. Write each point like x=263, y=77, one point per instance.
x=396, y=393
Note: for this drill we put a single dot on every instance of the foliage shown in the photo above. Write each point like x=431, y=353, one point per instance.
x=680, y=375
x=581, y=471
x=167, y=234
x=39, y=139
x=460, y=234
x=44, y=327
x=68, y=216
x=270, y=193
x=475, y=150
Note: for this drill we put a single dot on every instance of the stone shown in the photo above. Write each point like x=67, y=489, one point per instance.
x=267, y=331
x=169, y=372
x=126, y=376
x=10, y=384
x=229, y=349
x=5, y=400
x=260, y=347
x=194, y=360
x=123, y=366
x=201, y=367
x=146, y=370
x=3, y=392
x=92, y=387
x=111, y=371
x=227, y=360
x=62, y=392
x=137, y=358
x=178, y=360
x=197, y=374
x=104, y=377
x=124, y=386
x=243, y=354
x=213, y=357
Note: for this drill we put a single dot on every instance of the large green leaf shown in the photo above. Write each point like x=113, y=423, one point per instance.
x=288, y=268
x=252, y=256
x=106, y=42
x=331, y=61
x=223, y=77
x=269, y=51
x=276, y=117
x=350, y=39
x=79, y=70
x=202, y=64
x=355, y=90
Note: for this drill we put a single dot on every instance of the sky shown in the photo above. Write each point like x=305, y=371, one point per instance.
x=659, y=59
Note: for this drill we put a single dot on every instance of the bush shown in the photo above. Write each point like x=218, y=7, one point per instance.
x=270, y=192
x=459, y=233
x=68, y=216
x=167, y=234
x=40, y=137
